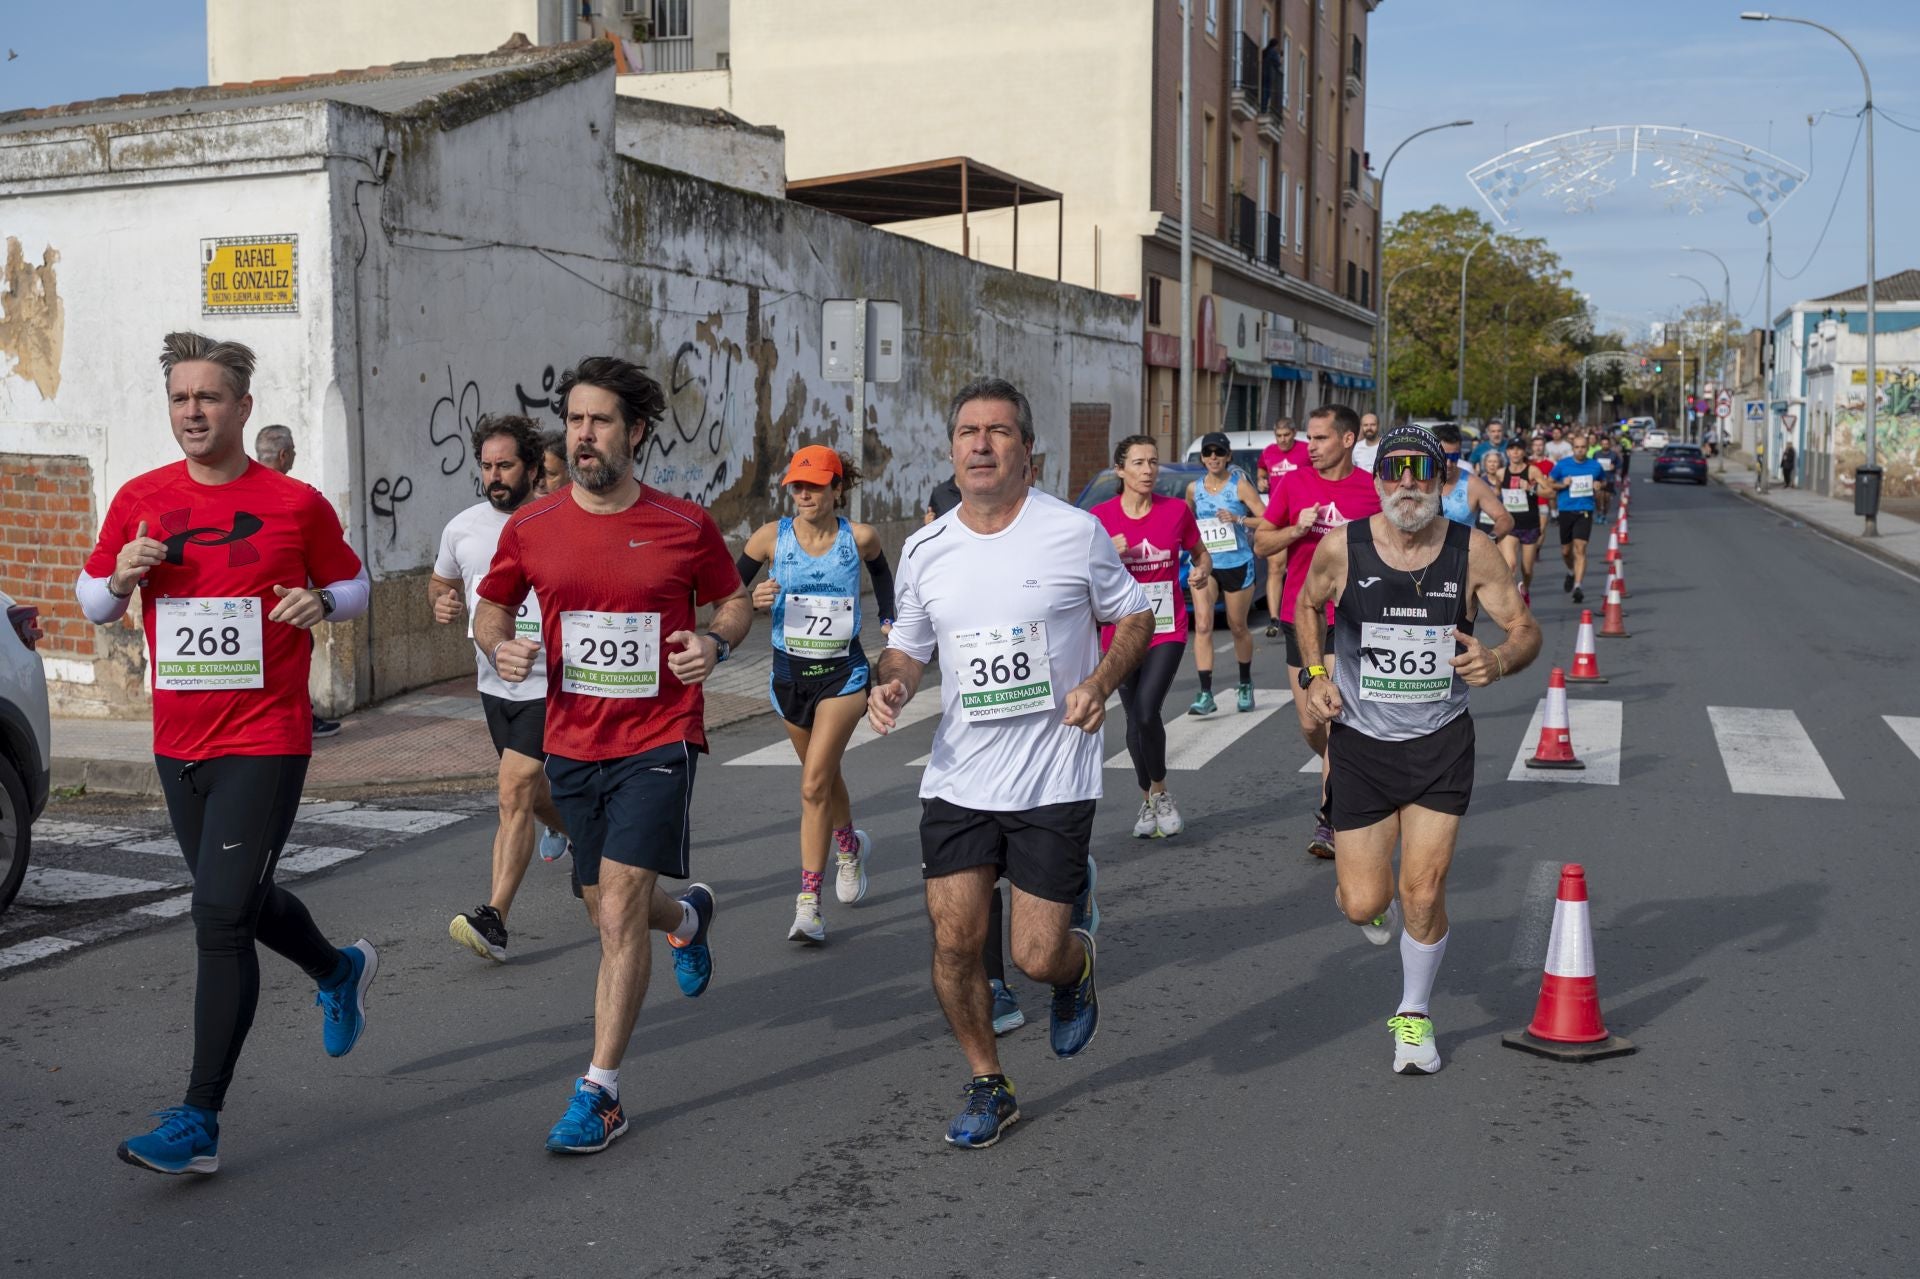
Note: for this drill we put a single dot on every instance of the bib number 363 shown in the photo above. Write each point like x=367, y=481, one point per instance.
x=1002, y=671
x=610, y=654
x=209, y=642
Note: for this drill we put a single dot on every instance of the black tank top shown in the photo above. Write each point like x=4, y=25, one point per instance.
x=1391, y=635
x=1530, y=517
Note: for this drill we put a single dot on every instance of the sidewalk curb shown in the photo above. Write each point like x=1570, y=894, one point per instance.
x=106, y=776
x=1865, y=545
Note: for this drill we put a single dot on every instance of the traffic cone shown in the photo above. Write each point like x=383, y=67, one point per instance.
x=1566, y=1023
x=1614, y=626
x=1622, y=528
x=1556, y=739
x=1613, y=546
x=1618, y=580
x=1586, y=660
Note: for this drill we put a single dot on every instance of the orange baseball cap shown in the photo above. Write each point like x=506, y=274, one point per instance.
x=815, y=464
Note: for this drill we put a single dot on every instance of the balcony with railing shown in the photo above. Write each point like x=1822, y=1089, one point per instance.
x=1241, y=229
x=667, y=55
x=1246, y=78
x=1273, y=242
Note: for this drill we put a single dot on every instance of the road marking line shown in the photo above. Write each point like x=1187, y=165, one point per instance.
x=405, y=821
x=1311, y=766
x=925, y=705
x=1906, y=727
x=1469, y=1244
x=167, y=907
x=27, y=952
x=1535, y=922
x=82, y=834
x=1767, y=752
x=152, y=847
x=1113, y=717
x=53, y=886
x=1193, y=740
x=1595, y=725
x=302, y=859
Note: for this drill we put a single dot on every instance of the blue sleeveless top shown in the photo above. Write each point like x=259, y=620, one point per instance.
x=837, y=573
x=1205, y=505
x=1454, y=501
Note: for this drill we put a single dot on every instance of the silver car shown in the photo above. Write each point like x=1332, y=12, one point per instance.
x=26, y=743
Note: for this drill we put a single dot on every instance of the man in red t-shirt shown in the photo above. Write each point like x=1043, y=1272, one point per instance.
x=1304, y=507
x=1277, y=461
x=619, y=569
x=234, y=564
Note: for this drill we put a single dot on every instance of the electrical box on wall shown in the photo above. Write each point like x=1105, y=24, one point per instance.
x=843, y=322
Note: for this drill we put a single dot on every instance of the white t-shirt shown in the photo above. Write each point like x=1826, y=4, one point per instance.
x=1054, y=566
x=466, y=552
x=1557, y=449
x=1364, y=451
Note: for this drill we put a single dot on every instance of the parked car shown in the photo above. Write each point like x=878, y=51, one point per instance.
x=1655, y=438
x=1680, y=462
x=25, y=742
x=1173, y=481
x=1247, y=447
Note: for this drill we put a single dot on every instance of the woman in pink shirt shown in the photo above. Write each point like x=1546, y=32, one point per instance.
x=1150, y=530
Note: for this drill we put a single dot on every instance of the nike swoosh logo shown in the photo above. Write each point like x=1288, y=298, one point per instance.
x=632, y=543
x=235, y=844
x=1368, y=581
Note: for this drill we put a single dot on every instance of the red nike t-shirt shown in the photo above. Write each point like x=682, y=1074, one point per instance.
x=234, y=543
x=1340, y=503
x=627, y=581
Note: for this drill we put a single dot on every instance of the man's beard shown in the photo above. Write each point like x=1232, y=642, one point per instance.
x=601, y=475
x=1408, y=512
x=509, y=497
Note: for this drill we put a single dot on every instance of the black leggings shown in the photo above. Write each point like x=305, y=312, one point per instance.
x=232, y=815
x=1142, y=694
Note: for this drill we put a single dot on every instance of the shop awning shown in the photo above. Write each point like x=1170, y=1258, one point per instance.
x=1287, y=373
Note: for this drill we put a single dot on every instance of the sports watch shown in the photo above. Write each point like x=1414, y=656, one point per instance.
x=1310, y=674
x=725, y=649
x=326, y=602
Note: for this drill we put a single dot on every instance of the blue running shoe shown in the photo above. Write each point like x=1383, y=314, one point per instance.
x=1243, y=697
x=989, y=1112
x=187, y=1140
x=692, y=960
x=1007, y=1016
x=592, y=1121
x=553, y=844
x=1076, y=1008
x=1086, y=907
x=344, y=1004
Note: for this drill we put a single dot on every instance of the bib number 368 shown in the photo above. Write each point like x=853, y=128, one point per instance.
x=1001, y=671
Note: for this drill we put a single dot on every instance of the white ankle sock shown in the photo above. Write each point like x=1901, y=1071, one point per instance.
x=609, y=1080
x=1419, y=966
x=689, y=923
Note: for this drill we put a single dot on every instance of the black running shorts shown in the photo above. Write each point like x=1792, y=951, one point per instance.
x=634, y=810
x=1293, y=643
x=1371, y=780
x=1041, y=851
x=796, y=688
x=1576, y=526
x=520, y=727
x=1230, y=580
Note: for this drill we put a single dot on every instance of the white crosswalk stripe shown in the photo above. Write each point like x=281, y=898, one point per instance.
x=1768, y=752
x=780, y=754
x=82, y=834
x=1595, y=726
x=1907, y=729
x=1193, y=740
x=402, y=821
x=53, y=886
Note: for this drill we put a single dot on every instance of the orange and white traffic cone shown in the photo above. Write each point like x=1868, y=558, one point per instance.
x=1586, y=660
x=1613, y=546
x=1622, y=525
x=1556, y=738
x=1618, y=580
x=1614, y=625
x=1566, y=1023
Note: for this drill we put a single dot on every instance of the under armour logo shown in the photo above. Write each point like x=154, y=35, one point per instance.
x=239, y=549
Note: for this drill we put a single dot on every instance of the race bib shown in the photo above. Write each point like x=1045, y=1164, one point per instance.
x=1218, y=537
x=1517, y=500
x=209, y=642
x=818, y=625
x=1606, y=464
x=1002, y=671
x=1405, y=663
x=610, y=654
x=1161, y=596
x=526, y=623
x=1579, y=486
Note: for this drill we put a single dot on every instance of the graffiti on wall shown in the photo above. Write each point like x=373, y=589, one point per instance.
x=1896, y=433
x=688, y=453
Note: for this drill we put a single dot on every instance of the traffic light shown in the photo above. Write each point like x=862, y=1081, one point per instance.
x=1657, y=368
x=1556, y=417
x=1643, y=361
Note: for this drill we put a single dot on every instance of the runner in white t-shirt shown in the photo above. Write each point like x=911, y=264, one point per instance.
x=1367, y=447
x=1012, y=587
x=509, y=451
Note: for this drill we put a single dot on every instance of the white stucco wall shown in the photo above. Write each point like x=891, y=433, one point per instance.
x=266, y=39
x=702, y=142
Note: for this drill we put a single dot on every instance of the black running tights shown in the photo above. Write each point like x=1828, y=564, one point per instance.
x=232, y=815
x=1142, y=694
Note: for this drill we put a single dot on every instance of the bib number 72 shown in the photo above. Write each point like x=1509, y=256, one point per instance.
x=1000, y=670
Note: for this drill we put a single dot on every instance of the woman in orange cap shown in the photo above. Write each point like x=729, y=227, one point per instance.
x=820, y=674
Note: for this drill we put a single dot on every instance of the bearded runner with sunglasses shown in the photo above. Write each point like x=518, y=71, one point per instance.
x=1406, y=586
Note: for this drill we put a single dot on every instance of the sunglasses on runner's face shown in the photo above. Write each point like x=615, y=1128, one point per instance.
x=1418, y=465
x=1216, y=452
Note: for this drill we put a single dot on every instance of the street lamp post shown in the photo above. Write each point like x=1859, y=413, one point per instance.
x=1379, y=261
x=1726, y=317
x=1186, y=227
x=1871, y=509
x=1460, y=360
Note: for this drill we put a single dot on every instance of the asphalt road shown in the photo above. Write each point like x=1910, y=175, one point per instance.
x=1236, y=1115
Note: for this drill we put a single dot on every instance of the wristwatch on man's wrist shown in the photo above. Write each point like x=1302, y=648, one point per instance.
x=326, y=602
x=1311, y=674
x=725, y=649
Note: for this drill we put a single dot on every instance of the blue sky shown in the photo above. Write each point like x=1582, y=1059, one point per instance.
x=1529, y=69
x=1522, y=69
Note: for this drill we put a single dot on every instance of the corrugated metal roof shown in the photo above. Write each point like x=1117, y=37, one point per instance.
x=1901, y=286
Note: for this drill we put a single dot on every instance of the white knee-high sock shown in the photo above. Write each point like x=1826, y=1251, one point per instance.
x=1419, y=966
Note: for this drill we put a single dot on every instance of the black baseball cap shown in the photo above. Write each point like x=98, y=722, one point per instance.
x=1216, y=440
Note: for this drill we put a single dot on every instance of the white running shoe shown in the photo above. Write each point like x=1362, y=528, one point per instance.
x=1380, y=931
x=808, y=928
x=1147, y=825
x=1165, y=816
x=1414, y=1052
x=850, y=881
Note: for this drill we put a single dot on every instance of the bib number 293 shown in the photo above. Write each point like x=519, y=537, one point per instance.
x=610, y=654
